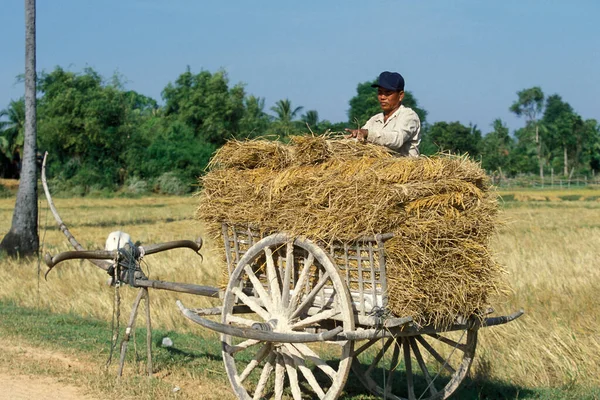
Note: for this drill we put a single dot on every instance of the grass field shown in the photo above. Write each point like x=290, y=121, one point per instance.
x=549, y=248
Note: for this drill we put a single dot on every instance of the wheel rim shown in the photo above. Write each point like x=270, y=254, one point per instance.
x=315, y=294
x=415, y=367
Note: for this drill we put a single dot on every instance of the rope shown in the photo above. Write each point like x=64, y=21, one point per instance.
x=114, y=326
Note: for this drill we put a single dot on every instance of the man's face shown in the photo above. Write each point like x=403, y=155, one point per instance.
x=389, y=100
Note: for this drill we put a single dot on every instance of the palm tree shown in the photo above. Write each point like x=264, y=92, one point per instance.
x=311, y=118
x=285, y=114
x=12, y=129
x=23, y=239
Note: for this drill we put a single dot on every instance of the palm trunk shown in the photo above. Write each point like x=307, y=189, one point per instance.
x=566, y=167
x=538, y=140
x=22, y=239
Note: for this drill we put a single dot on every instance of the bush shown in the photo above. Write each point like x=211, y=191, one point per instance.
x=136, y=186
x=169, y=183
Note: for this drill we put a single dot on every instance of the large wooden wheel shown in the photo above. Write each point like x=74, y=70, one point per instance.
x=292, y=286
x=415, y=367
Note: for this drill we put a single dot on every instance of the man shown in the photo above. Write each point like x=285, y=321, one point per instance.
x=397, y=127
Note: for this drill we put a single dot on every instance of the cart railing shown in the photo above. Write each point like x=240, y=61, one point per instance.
x=361, y=264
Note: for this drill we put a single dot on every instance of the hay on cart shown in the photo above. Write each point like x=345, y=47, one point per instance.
x=441, y=210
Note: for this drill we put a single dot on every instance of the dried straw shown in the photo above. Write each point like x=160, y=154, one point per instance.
x=440, y=209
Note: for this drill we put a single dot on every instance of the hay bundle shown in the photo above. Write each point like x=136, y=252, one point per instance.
x=440, y=209
x=251, y=154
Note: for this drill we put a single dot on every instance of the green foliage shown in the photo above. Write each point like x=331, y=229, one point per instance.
x=283, y=123
x=166, y=145
x=455, y=138
x=84, y=124
x=255, y=122
x=529, y=104
x=496, y=148
x=205, y=103
x=12, y=134
x=311, y=119
x=169, y=183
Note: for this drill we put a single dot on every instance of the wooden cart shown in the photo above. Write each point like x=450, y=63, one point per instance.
x=297, y=316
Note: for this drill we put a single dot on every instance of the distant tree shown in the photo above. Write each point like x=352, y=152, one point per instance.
x=205, y=102
x=86, y=125
x=255, y=121
x=565, y=131
x=167, y=146
x=284, y=115
x=455, y=138
x=22, y=238
x=496, y=148
x=529, y=104
x=311, y=118
x=365, y=104
x=12, y=136
x=592, y=149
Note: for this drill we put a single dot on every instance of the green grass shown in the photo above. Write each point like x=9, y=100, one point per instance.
x=195, y=357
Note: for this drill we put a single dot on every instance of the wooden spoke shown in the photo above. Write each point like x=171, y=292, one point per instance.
x=408, y=365
x=234, y=319
x=242, y=346
x=365, y=346
x=287, y=275
x=309, y=354
x=379, y=355
x=299, y=288
x=331, y=300
x=252, y=303
x=423, y=366
x=315, y=318
x=260, y=290
x=292, y=377
x=301, y=364
x=279, y=377
x=413, y=348
x=257, y=359
x=272, y=277
x=389, y=383
x=435, y=354
x=449, y=342
x=310, y=297
x=264, y=377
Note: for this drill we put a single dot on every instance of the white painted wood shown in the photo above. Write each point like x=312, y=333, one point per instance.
x=260, y=290
x=252, y=303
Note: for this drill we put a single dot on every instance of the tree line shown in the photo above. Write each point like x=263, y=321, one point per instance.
x=101, y=136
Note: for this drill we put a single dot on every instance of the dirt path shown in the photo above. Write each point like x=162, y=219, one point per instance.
x=15, y=385
x=21, y=387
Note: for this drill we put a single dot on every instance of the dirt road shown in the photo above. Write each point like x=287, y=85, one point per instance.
x=21, y=387
x=17, y=385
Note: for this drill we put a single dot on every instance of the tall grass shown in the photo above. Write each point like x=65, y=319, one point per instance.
x=549, y=248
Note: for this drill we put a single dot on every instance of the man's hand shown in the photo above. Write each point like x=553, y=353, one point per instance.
x=359, y=134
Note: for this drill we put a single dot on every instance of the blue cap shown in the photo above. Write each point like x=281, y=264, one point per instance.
x=390, y=80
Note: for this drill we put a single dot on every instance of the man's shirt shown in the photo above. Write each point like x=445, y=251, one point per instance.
x=401, y=132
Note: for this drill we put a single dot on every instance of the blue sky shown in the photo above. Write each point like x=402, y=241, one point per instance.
x=464, y=60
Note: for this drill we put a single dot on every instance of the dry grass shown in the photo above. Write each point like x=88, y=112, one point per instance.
x=81, y=287
x=10, y=184
x=550, y=250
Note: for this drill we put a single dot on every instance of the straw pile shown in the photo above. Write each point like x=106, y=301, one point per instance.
x=440, y=209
